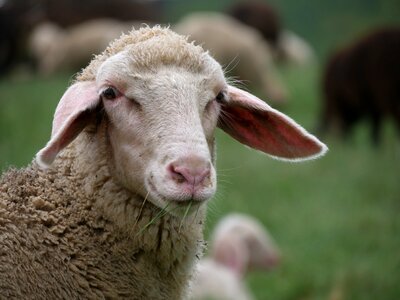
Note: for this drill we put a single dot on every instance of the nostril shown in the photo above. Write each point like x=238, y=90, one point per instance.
x=176, y=174
x=185, y=171
x=204, y=175
x=182, y=174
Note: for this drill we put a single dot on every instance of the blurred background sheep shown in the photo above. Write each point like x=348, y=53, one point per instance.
x=56, y=49
x=19, y=17
x=239, y=244
x=286, y=46
x=361, y=81
x=239, y=48
x=338, y=227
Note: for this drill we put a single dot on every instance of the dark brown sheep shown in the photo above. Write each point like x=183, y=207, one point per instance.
x=362, y=81
x=258, y=15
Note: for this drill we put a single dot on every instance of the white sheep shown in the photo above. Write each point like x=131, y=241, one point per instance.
x=56, y=49
x=242, y=243
x=239, y=244
x=294, y=49
x=113, y=205
x=213, y=280
x=238, y=47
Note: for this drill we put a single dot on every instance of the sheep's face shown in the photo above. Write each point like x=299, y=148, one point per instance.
x=161, y=126
x=162, y=98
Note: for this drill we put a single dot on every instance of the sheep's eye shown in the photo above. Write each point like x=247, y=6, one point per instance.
x=220, y=97
x=110, y=93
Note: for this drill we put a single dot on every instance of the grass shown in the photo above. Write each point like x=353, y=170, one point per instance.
x=336, y=219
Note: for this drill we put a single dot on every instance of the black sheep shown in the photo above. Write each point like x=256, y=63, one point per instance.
x=362, y=81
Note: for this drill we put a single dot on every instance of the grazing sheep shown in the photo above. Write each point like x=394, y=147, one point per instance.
x=56, y=49
x=242, y=243
x=218, y=282
x=363, y=81
x=238, y=47
x=294, y=49
x=19, y=17
x=66, y=13
x=286, y=46
x=16, y=19
x=259, y=15
x=113, y=205
x=239, y=244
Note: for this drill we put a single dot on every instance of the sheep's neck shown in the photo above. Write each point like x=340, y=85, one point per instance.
x=170, y=241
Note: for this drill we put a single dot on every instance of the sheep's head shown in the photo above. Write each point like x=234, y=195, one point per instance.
x=242, y=244
x=163, y=98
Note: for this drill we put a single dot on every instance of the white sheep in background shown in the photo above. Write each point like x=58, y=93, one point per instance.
x=238, y=47
x=239, y=244
x=113, y=205
x=217, y=282
x=242, y=243
x=294, y=49
x=56, y=49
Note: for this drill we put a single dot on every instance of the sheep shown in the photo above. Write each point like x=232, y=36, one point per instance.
x=293, y=49
x=215, y=281
x=67, y=13
x=360, y=81
x=56, y=49
x=239, y=244
x=113, y=205
x=286, y=46
x=16, y=19
x=259, y=15
x=19, y=17
x=242, y=49
x=242, y=243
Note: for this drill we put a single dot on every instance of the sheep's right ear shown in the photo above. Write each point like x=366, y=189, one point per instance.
x=254, y=123
x=73, y=114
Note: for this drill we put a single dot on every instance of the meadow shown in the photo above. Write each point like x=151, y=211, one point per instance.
x=335, y=219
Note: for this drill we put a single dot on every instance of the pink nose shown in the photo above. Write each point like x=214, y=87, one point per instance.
x=190, y=170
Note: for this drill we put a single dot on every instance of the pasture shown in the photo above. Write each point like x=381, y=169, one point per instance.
x=336, y=219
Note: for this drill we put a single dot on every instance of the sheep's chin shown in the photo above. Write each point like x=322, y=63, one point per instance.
x=175, y=207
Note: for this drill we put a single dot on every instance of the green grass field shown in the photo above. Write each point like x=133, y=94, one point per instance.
x=337, y=219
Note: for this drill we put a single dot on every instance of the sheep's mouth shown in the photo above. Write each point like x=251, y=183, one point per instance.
x=174, y=203
x=184, y=203
x=180, y=200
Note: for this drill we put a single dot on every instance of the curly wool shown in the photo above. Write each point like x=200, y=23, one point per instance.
x=73, y=232
x=153, y=46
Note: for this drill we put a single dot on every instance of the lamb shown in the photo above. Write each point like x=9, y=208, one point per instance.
x=239, y=244
x=241, y=49
x=361, y=81
x=113, y=206
x=218, y=282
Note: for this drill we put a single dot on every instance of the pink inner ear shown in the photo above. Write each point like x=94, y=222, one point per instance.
x=73, y=113
x=254, y=123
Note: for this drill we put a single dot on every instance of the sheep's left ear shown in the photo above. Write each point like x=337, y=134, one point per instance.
x=254, y=123
x=73, y=113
